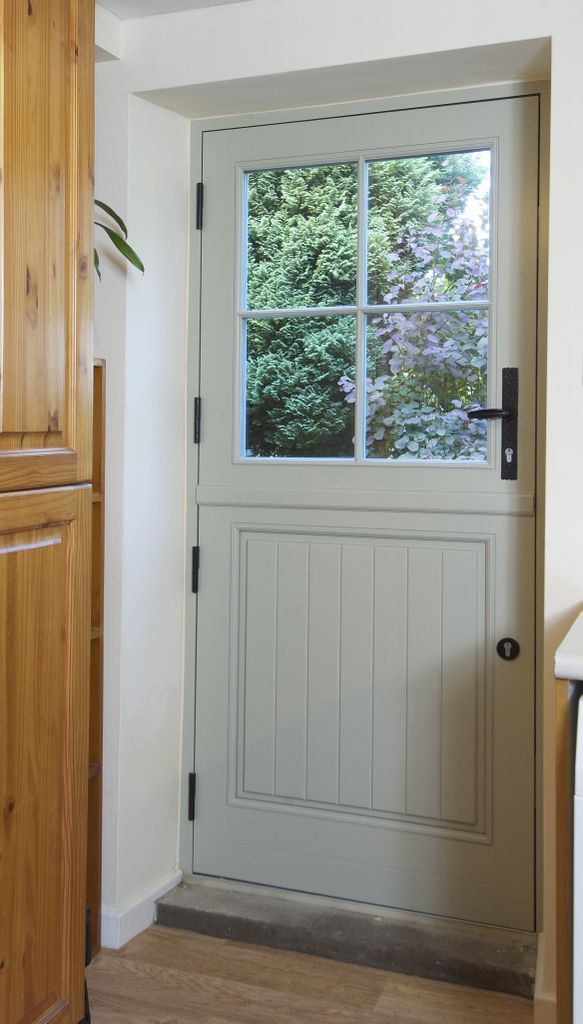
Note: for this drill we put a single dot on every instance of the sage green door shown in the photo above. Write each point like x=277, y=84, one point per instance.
x=365, y=543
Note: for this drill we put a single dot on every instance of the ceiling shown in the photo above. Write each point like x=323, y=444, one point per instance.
x=126, y=9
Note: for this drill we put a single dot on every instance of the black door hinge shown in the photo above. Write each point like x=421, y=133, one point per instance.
x=191, y=795
x=197, y=420
x=199, y=204
x=195, y=568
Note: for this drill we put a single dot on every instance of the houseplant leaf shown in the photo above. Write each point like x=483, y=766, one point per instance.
x=124, y=248
x=114, y=216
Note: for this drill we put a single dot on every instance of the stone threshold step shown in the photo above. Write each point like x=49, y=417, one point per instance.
x=428, y=947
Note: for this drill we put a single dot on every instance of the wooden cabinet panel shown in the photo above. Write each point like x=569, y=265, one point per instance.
x=46, y=214
x=44, y=669
x=94, y=822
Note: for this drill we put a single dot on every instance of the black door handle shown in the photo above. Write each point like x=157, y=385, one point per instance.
x=509, y=416
x=492, y=414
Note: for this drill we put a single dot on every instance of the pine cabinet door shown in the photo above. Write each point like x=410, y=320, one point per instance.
x=44, y=667
x=46, y=214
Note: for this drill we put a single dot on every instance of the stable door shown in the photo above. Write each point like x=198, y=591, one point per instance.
x=365, y=674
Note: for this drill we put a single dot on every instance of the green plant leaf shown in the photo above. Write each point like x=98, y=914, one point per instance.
x=120, y=243
x=111, y=213
x=96, y=263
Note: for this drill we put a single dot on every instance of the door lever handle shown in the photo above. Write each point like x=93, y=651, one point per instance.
x=509, y=416
x=492, y=414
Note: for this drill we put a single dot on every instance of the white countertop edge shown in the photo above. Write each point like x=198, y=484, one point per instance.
x=569, y=653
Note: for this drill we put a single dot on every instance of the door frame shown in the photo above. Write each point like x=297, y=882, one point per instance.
x=187, y=829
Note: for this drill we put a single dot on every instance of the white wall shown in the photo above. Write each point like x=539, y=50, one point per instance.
x=265, y=38
x=146, y=148
x=111, y=145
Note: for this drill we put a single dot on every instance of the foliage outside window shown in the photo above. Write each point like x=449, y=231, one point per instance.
x=427, y=243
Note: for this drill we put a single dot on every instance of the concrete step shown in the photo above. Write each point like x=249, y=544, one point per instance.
x=429, y=947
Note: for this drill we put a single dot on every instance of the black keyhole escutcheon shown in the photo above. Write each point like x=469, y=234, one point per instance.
x=507, y=648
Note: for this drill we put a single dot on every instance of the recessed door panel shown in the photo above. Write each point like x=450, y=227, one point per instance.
x=398, y=725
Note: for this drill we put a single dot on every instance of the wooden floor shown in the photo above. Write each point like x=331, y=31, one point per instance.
x=170, y=977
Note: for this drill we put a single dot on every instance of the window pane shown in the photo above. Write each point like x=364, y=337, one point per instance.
x=302, y=237
x=428, y=228
x=424, y=372
x=295, y=403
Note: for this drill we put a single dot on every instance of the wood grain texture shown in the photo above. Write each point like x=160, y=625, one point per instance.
x=170, y=977
x=44, y=623
x=564, y=854
x=95, y=797
x=46, y=215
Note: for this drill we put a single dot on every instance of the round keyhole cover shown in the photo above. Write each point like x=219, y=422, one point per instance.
x=507, y=648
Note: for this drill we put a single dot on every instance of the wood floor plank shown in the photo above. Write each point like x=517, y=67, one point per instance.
x=407, y=1000
x=280, y=970
x=171, y=991
x=169, y=977
x=104, y=1015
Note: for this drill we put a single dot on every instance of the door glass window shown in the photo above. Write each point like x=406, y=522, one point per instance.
x=424, y=371
x=367, y=341
x=301, y=237
x=295, y=405
x=428, y=228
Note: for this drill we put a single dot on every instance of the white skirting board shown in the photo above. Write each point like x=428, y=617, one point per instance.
x=119, y=925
